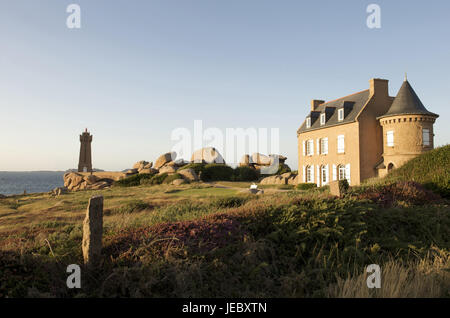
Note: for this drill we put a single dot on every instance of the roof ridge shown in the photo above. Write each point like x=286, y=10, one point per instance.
x=344, y=97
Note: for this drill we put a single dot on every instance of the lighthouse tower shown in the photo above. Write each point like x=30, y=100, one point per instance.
x=85, y=162
x=407, y=129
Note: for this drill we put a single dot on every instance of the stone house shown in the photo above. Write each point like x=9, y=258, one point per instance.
x=363, y=135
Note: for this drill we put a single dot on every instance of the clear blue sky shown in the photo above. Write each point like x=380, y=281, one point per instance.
x=138, y=69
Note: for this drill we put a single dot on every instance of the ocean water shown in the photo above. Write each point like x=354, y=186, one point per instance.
x=32, y=182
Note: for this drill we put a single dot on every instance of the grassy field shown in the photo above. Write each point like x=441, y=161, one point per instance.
x=214, y=240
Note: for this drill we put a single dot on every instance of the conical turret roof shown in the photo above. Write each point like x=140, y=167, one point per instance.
x=407, y=103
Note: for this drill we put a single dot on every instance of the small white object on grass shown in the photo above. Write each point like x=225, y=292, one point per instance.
x=254, y=186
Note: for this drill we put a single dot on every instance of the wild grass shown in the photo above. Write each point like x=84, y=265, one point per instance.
x=211, y=240
x=428, y=277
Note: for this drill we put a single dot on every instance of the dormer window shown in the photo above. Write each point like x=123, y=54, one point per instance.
x=340, y=114
x=322, y=119
x=308, y=122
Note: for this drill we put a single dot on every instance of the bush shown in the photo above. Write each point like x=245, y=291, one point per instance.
x=172, y=177
x=343, y=186
x=229, y=202
x=399, y=193
x=133, y=181
x=432, y=169
x=156, y=179
x=283, y=168
x=217, y=172
x=197, y=167
x=130, y=207
x=245, y=174
x=306, y=186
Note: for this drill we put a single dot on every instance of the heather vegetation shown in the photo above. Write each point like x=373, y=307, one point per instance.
x=213, y=240
x=431, y=169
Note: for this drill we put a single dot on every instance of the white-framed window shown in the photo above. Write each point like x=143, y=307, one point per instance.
x=309, y=177
x=341, y=172
x=322, y=119
x=309, y=147
x=340, y=114
x=426, y=137
x=341, y=144
x=390, y=138
x=324, y=146
x=308, y=122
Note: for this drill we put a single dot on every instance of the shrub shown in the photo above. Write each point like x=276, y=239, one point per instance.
x=130, y=207
x=172, y=177
x=432, y=169
x=306, y=186
x=409, y=193
x=283, y=168
x=229, y=202
x=245, y=174
x=197, y=167
x=133, y=181
x=343, y=186
x=157, y=179
x=217, y=172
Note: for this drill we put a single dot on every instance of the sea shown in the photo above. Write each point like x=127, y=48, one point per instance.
x=31, y=182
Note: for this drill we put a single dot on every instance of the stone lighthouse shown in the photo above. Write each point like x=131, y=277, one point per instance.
x=407, y=129
x=85, y=162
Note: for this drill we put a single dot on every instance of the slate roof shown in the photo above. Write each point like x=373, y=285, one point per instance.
x=354, y=103
x=407, y=102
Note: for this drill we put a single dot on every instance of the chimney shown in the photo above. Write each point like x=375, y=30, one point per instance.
x=379, y=86
x=315, y=103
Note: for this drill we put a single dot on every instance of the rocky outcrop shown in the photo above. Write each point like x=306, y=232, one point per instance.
x=140, y=165
x=207, y=155
x=285, y=178
x=274, y=180
x=164, y=159
x=258, y=161
x=261, y=160
x=177, y=182
x=59, y=191
x=188, y=174
x=245, y=161
x=74, y=181
x=167, y=169
x=148, y=171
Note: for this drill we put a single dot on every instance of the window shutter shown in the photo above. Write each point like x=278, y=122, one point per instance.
x=304, y=174
x=343, y=143
x=304, y=148
x=318, y=146
x=327, y=173
x=347, y=172
x=334, y=173
x=318, y=175
x=311, y=143
x=325, y=145
x=312, y=173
